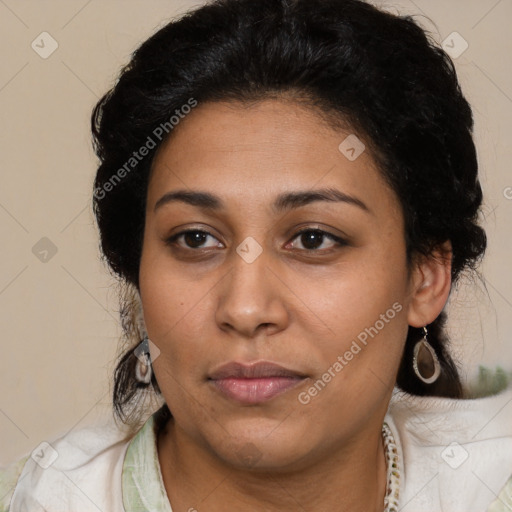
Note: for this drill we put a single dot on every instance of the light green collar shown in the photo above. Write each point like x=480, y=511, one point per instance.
x=142, y=483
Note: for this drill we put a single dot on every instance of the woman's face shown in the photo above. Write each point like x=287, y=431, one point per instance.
x=244, y=286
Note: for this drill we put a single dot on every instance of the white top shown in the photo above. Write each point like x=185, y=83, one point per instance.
x=453, y=456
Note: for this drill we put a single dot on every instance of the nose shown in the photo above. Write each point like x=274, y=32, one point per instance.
x=251, y=298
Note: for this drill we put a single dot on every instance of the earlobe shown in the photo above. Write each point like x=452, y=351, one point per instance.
x=430, y=286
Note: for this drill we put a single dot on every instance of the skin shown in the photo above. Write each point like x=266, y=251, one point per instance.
x=204, y=305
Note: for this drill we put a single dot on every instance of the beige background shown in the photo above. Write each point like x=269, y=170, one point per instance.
x=59, y=326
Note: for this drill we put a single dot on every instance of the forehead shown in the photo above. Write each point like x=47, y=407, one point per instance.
x=252, y=152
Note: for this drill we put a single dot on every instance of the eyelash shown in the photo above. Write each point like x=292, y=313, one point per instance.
x=339, y=241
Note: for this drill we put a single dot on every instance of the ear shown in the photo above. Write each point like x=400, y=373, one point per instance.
x=430, y=286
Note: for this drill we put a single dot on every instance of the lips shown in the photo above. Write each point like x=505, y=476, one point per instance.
x=254, y=383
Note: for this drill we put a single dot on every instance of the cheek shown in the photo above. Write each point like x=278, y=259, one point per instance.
x=359, y=359
x=365, y=309
x=165, y=303
x=357, y=297
x=170, y=313
x=177, y=313
x=166, y=298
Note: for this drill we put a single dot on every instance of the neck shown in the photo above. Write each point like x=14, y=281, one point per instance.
x=351, y=478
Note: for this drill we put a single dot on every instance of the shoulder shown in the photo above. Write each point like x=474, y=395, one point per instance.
x=79, y=471
x=454, y=454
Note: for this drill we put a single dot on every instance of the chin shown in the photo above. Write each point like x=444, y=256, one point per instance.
x=265, y=446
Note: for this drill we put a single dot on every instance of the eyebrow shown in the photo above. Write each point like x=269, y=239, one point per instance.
x=283, y=202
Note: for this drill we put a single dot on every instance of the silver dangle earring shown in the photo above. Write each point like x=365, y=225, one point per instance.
x=422, y=345
x=143, y=369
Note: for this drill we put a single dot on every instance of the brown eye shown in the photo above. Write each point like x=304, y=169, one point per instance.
x=312, y=239
x=195, y=238
x=192, y=239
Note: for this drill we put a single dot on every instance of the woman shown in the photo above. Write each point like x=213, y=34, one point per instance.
x=289, y=191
